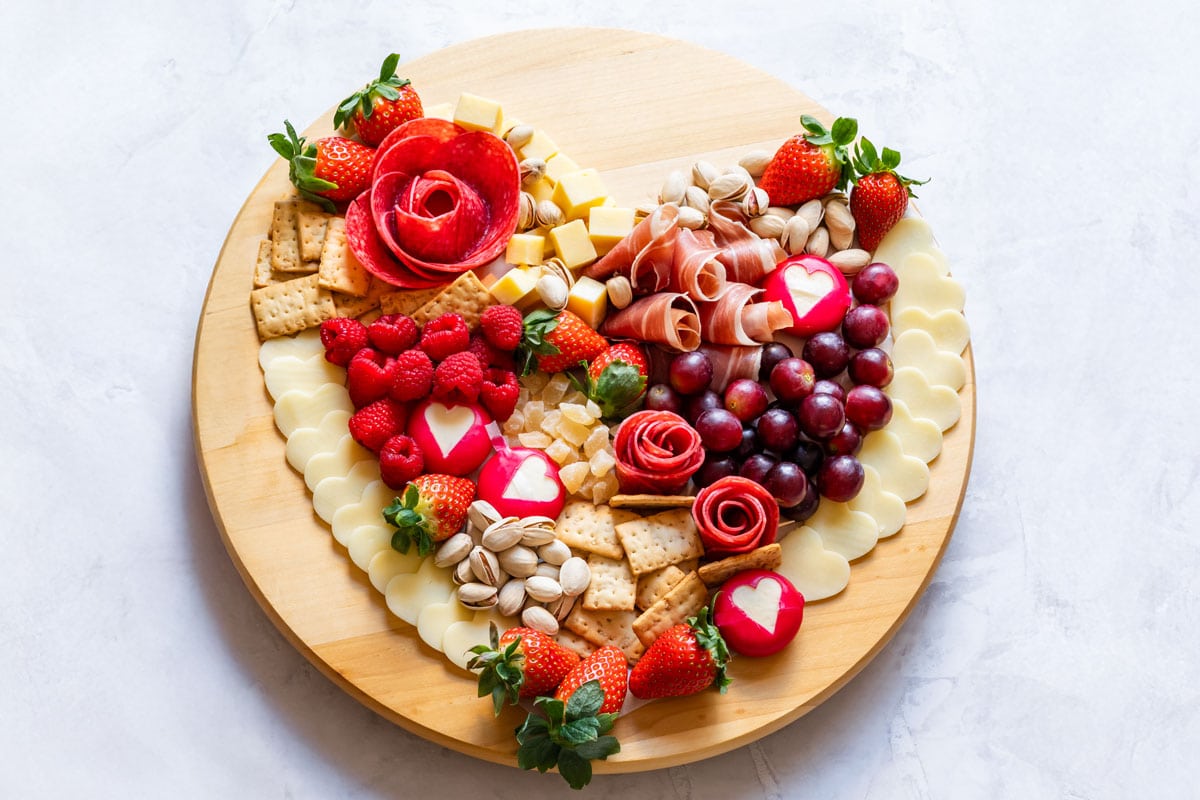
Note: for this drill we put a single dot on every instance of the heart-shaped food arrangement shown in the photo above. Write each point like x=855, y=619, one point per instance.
x=571, y=435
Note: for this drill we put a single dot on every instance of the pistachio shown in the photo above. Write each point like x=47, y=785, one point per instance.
x=511, y=597
x=547, y=570
x=540, y=619
x=518, y=561
x=548, y=214
x=696, y=198
x=531, y=170
x=555, y=552
x=574, y=576
x=463, y=572
x=537, y=536
x=643, y=210
x=818, y=243
x=561, y=608
x=502, y=534
x=553, y=291
x=453, y=550
x=620, y=291
x=730, y=186
x=542, y=589
x=482, y=514
x=768, y=226
x=835, y=197
x=840, y=224
x=795, y=235
x=704, y=173
x=556, y=266
x=851, y=261
x=477, y=595
x=485, y=565
x=783, y=212
x=755, y=162
x=812, y=211
x=674, y=187
x=518, y=136
x=690, y=218
x=755, y=202
x=526, y=212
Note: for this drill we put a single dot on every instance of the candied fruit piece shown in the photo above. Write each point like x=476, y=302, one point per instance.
x=602, y=463
x=551, y=421
x=573, y=476
x=561, y=452
x=553, y=393
x=514, y=424
x=576, y=413
x=536, y=439
x=535, y=411
x=604, y=489
x=573, y=432
x=596, y=441
x=535, y=382
x=575, y=397
x=593, y=410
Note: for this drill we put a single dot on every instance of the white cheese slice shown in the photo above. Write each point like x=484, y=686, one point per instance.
x=916, y=348
x=816, y=572
x=909, y=235
x=367, y=511
x=304, y=443
x=919, y=438
x=924, y=285
x=367, y=540
x=309, y=374
x=387, y=564
x=887, y=509
x=406, y=594
x=434, y=619
x=460, y=637
x=948, y=328
x=302, y=345
x=902, y=475
x=299, y=409
x=938, y=404
x=336, y=463
x=851, y=534
x=334, y=492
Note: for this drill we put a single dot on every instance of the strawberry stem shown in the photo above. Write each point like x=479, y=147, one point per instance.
x=568, y=735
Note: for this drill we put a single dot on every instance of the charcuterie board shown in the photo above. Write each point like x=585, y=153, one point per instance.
x=634, y=106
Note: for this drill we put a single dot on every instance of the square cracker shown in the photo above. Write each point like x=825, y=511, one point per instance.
x=339, y=269
x=350, y=306
x=653, y=542
x=652, y=586
x=285, y=243
x=311, y=222
x=574, y=642
x=466, y=296
x=607, y=627
x=406, y=301
x=684, y=600
x=289, y=307
x=612, y=588
x=768, y=556
x=262, y=266
x=589, y=528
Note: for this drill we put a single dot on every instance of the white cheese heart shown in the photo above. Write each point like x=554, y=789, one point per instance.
x=448, y=425
x=806, y=287
x=530, y=481
x=760, y=603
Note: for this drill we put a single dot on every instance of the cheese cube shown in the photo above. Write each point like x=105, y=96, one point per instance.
x=525, y=248
x=559, y=165
x=588, y=299
x=440, y=111
x=477, y=113
x=572, y=244
x=514, y=286
x=576, y=192
x=608, y=225
x=539, y=146
x=541, y=189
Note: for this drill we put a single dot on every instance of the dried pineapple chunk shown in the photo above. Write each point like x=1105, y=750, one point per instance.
x=514, y=424
x=573, y=476
x=537, y=439
x=535, y=411
x=573, y=432
x=597, y=440
x=562, y=452
x=553, y=393
x=604, y=489
x=602, y=463
x=576, y=413
x=552, y=421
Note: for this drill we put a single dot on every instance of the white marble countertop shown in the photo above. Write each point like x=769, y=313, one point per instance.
x=1054, y=654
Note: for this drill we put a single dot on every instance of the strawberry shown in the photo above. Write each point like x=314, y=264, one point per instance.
x=570, y=733
x=433, y=508
x=459, y=378
x=445, y=335
x=557, y=341
x=372, y=425
x=616, y=379
x=381, y=106
x=499, y=392
x=606, y=665
x=880, y=195
x=393, y=333
x=400, y=461
x=502, y=326
x=413, y=377
x=685, y=659
x=369, y=376
x=329, y=170
x=810, y=165
x=521, y=662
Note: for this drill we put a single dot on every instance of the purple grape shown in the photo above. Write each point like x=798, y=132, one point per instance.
x=868, y=407
x=745, y=399
x=696, y=405
x=713, y=469
x=808, y=455
x=840, y=478
x=827, y=352
x=787, y=484
x=792, y=380
x=846, y=442
x=821, y=416
x=875, y=284
x=865, y=326
x=756, y=467
x=872, y=367
x=720, y=431
x=778, y=430
x=806, y=507
x=749, y=445
x=830, y=387
x=661, y=397
x=772, y=354
x=690, y=373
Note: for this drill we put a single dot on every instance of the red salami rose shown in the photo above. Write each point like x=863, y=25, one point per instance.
x=656, y=452
x=735, y=515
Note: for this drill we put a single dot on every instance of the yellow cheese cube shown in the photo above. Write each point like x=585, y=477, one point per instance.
x=608, y=225
x=539, y=146
x=572, y=244
x=478, y=113
x=514, y=286
x=559, y=165
x=588, y=299
x=440, y=111
x=525, y=248
x=576, y=192
x=541, y=189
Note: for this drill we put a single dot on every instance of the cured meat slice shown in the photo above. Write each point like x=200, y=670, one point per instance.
x=695, y=269
x=667, y=319
x=733, y=319
x=747, y=257
x=735, y=515
x=731, y=362
x=645, y=256
x=657, y=452
x=373, y=254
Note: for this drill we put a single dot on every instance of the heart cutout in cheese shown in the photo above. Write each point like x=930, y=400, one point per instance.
x=760, y=602
x=531, y=481
x=807, y=288
x=448, y=425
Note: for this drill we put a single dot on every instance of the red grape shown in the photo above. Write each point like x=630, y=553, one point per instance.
x=821, y=416
x=840, y=478
x=872, y=367
x=865, y=326
x=846, y=442
x=713, y=469
x=868, y=407
x=772, y=354
x=749, y=445
x=696, y=405
x=787, y=483
x=756, y=467
x=792, y=380
x=876, y=284
x=690, y=373
x=720, y=431
x=661, y=397
x=830, y=387
x=808, y=454
x=827, y=352
x=778, y=430
x=745, y=399
x=806, y=507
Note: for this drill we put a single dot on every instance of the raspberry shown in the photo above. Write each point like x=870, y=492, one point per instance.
x=499, y=392
x=372, y=425
x=400, y=461
x=413, y=377
x=369, y=376
x=445, y=336
x=503, y=326
x=393, y=333
x=482, y=350
x=342, y=337
x=458, y=378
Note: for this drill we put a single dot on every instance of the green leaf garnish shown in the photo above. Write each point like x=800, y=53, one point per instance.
x=568, y=735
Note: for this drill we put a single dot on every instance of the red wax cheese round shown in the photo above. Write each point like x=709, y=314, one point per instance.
x=813, y=290
x=522, y=482
x=453, y=436
x=758, y=612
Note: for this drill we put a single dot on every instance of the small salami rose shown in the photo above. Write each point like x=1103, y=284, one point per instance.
x=735, y=515
x=656, y=452
x=758, y=612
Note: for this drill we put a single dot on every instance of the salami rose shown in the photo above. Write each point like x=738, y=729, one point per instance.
x=657, y=452
x=735, y=515
x=443, y=200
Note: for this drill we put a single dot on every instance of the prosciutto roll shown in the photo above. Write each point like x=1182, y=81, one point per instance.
x=645, y=256
x=733, y=319
x=731, y=362
x=695, y=269
x=747, y=258
x=665, y=319
x=657, y=452
x=735, y=515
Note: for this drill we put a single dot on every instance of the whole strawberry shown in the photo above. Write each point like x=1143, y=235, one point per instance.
x=329, y=170
x=616, y=379
x=433, y=508
x=606, y=665
x=880, y=195
x=811, y=164
x=557, y=340
x=382, y=105
x=685, y=659
x=568, y=734
x=521, y=662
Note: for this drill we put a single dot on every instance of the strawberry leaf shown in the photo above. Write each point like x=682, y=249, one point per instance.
x=601, y=748
x=575, y=769
x=891, y=158
x=388, y=69
x=569, y=736
x=585, y=701
x=501, y=671
x=844, y=130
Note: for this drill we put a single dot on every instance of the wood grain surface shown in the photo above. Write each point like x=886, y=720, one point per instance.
x=634, y=106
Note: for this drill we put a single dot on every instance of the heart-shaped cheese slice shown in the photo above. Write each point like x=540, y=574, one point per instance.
x=760, y=602
x=531, y=481
x=449, y=424
x=807, y=287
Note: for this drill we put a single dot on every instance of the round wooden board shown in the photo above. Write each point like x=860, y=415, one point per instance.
x=634, y=106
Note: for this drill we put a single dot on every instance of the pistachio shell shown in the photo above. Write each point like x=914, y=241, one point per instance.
x=485, y=565
x=812, y=211
x=518, y=136
x=553, y=291
x=555, y=552
x=540, y=619
x=453, y=550
x=511, y=597
x=795, y=235
x=704, y=173
x=537, y=536
x=463, y=572
x=690, y=218
x=696, y=198
x=755, y=162
x=548, y=214
x=620, y=291
x=526, y=212
x=561, y=608
x=477, y=595
x=730, y=186
x=518, y=561
x=850, y=262
x=502, y=535
x=768, y=226
x=755, y=202
x=482, y=514
x=574, y=576
x=543, y=589
x=818, y=243
x=531, y=170
x=674, y=187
